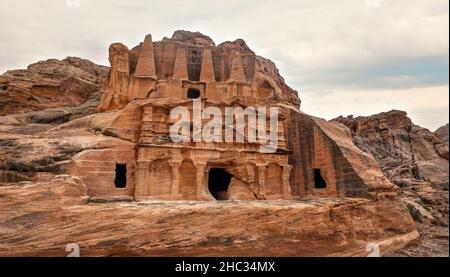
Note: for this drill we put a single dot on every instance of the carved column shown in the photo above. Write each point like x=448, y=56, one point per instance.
x=141, y=188
x=202, y=187
x=251, y=174
x=262, y=180
x=175, y=186
x=285, y=182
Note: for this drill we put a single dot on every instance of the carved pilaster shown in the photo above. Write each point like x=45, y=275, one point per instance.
x=141, y=188
x=175, y=186
x=285, y=182
x=251, y=175
x=202, y=187
x=262, y=180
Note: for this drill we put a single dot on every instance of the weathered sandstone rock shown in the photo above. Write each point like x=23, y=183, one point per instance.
x=316, y=194
x=318, y=144
x=416, y=160
x=442, y=132
x=406, y=152
x=339, y=227
x=70, y=83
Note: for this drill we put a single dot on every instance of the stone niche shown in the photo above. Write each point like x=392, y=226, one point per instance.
x=193, y=90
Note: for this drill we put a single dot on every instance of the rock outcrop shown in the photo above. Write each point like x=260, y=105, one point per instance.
x=42, y=190
x=406, y=152
x=318, y=144
x=442, y=133
x=73, y=84
x=317, y=194
x=416, y=160
x=48, y=216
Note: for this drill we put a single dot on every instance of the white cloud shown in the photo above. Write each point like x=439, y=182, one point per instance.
x=309, y=40
x=313, y=34
x=427, y=106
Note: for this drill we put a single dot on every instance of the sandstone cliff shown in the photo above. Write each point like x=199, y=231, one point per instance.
x=342, y=227
x=58, y=162
x=442, y=132
x=416, y=160
x=406, y=152
x=73, y=85
x=43, y=208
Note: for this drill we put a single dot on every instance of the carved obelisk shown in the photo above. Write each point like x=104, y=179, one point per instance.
x=146, y=62
x=237, y=70
x=207, y=71
x=180, y=68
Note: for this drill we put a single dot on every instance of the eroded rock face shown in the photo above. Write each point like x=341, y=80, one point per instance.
x=325, y=147
x=414, y=159
x=70, y=83
x=442, y=133
x=318, y=191
x=406, y=152
x=45, y=153
x=339, y=227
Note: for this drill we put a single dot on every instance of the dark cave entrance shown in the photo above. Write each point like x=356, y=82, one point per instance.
x=121, y=176
x=193, y=93
x=319, y=181
x=218, y=183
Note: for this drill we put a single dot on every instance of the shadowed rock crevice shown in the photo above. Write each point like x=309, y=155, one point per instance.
x=218, y=183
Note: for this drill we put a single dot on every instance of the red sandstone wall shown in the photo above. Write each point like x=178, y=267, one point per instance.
x=96, y=168
x=317, y=144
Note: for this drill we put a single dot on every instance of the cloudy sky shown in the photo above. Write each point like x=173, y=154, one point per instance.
x=344, y=57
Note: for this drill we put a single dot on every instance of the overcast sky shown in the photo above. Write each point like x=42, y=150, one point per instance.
x=344, y=57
